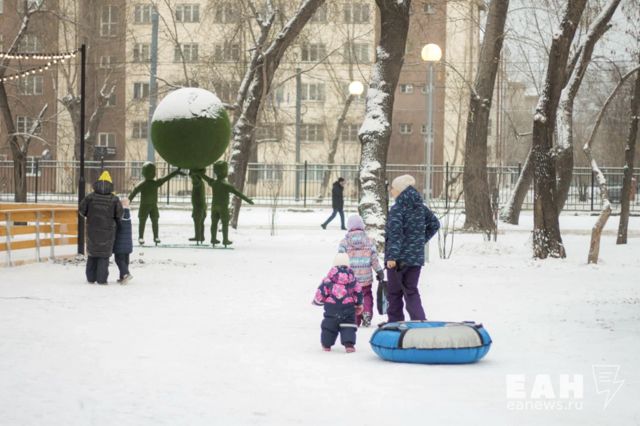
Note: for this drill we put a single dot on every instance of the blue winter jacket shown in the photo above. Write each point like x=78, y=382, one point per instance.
x=123, y=243
x=409, y=226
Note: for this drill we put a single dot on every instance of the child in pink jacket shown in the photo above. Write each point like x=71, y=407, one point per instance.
x=363, y=257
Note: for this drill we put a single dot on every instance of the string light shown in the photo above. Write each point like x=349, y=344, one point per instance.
x=57, y=58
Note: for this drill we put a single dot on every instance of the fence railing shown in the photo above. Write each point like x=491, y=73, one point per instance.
x=303, y=184
x=33, y=227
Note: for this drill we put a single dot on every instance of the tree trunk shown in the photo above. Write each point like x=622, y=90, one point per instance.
x=376, y=128
x=266, y=66
x=564, y=116
x=477, y=199
x=511, y=212
x=333, y=148
x=629, y=155
x=547, y=240
x=19, y=176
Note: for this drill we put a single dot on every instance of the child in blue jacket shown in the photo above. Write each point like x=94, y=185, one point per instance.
x=123, y=245
x=341, y=295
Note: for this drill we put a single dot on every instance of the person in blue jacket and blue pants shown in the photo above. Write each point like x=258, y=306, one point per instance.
x=123, y=245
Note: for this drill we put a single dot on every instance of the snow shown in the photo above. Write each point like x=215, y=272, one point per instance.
x=229, y=337
x=188, y=102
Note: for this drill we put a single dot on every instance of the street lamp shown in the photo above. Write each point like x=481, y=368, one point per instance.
x=430, y=53
x=356, y=88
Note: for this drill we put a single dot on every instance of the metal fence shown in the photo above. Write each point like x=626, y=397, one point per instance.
x=304, y=185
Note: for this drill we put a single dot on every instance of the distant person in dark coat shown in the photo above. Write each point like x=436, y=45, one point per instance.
x=409, y=226
x=337, y=203
x=123, y=245
x=102, y=209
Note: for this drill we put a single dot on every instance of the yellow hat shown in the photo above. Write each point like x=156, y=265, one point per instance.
x=105, y=176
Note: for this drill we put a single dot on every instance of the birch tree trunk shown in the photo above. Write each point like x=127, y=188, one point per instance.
x=478, y=212
x=265, y=68
x=564, y=126
x=547, y=241
x=629, y=155
x=333, y=148
x=376, y=129
x=511, y=212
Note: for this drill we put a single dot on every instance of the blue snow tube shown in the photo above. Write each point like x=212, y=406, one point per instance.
x=431, y=342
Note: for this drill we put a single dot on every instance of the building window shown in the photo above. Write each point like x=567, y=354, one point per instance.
x=226, y=13
x=32, y=166
x=142, y=13
x=136, y=170
x=423, y=129
x=269, y=132
x=24, y=125
x=139, y=130
x=3, y=157
x=112, y=100
x=141, y=52
x=186, y=51
x=1, y=11
x=140, y=90
x=31, y=85
x=320, y=16
x=350, y=132
x=30, y=43
x=349, y=172
x=489, y=127
x=226, y=52
x=313, y=52
x=276, y=96
x=429, y=9
x=227, y=92
x=188, y=13
x=312, y=132
x=405, y=128
x=1, y=37
x=356, y=52
x=356, y=13
x=107, y=61
x=270, y=172
x=315, y=172
x=106, y=140
x=109, y=21
x=406, y=88
x=313, y=92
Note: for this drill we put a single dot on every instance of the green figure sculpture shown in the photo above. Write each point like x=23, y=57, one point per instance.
x=198, y=204
x=220, y=202
x=148, y=190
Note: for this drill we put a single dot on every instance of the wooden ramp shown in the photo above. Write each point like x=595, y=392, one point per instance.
x=25, y=226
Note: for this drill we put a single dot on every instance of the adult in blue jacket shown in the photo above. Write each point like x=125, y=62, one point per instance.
x=409, y=226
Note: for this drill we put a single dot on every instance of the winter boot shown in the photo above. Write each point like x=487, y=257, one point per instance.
x=141, y=241
x=366, y=319
x=325, y=349
x=350, y=348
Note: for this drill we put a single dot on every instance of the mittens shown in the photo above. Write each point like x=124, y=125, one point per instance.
x=380, y=275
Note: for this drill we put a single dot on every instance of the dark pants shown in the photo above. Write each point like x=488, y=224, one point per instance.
x=97, y=269
x=338, y=320
x=122, y=260
x=335, y=212
x=404, y=283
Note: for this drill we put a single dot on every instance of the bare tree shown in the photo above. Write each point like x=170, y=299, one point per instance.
x=478, y=213
x=19, y=143
x=630, y=148
x=582, y=58
x=547, y=240
x=375, y=132
x=260, y=83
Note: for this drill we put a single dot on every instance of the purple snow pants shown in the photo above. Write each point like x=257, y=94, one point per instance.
x=404, y=283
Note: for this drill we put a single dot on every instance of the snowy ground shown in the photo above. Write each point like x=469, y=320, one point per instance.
x=228, y=337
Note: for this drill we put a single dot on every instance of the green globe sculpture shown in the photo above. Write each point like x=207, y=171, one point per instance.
x=190, y=128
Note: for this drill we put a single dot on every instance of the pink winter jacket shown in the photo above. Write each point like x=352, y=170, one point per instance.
x=362, y=255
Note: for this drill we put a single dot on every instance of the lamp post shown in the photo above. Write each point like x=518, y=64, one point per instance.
x=430, y=53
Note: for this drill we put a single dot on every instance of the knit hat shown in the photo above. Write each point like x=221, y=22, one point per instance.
x=105, y=176
x=341, y=259
x=355, y=222
x=402, y=182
